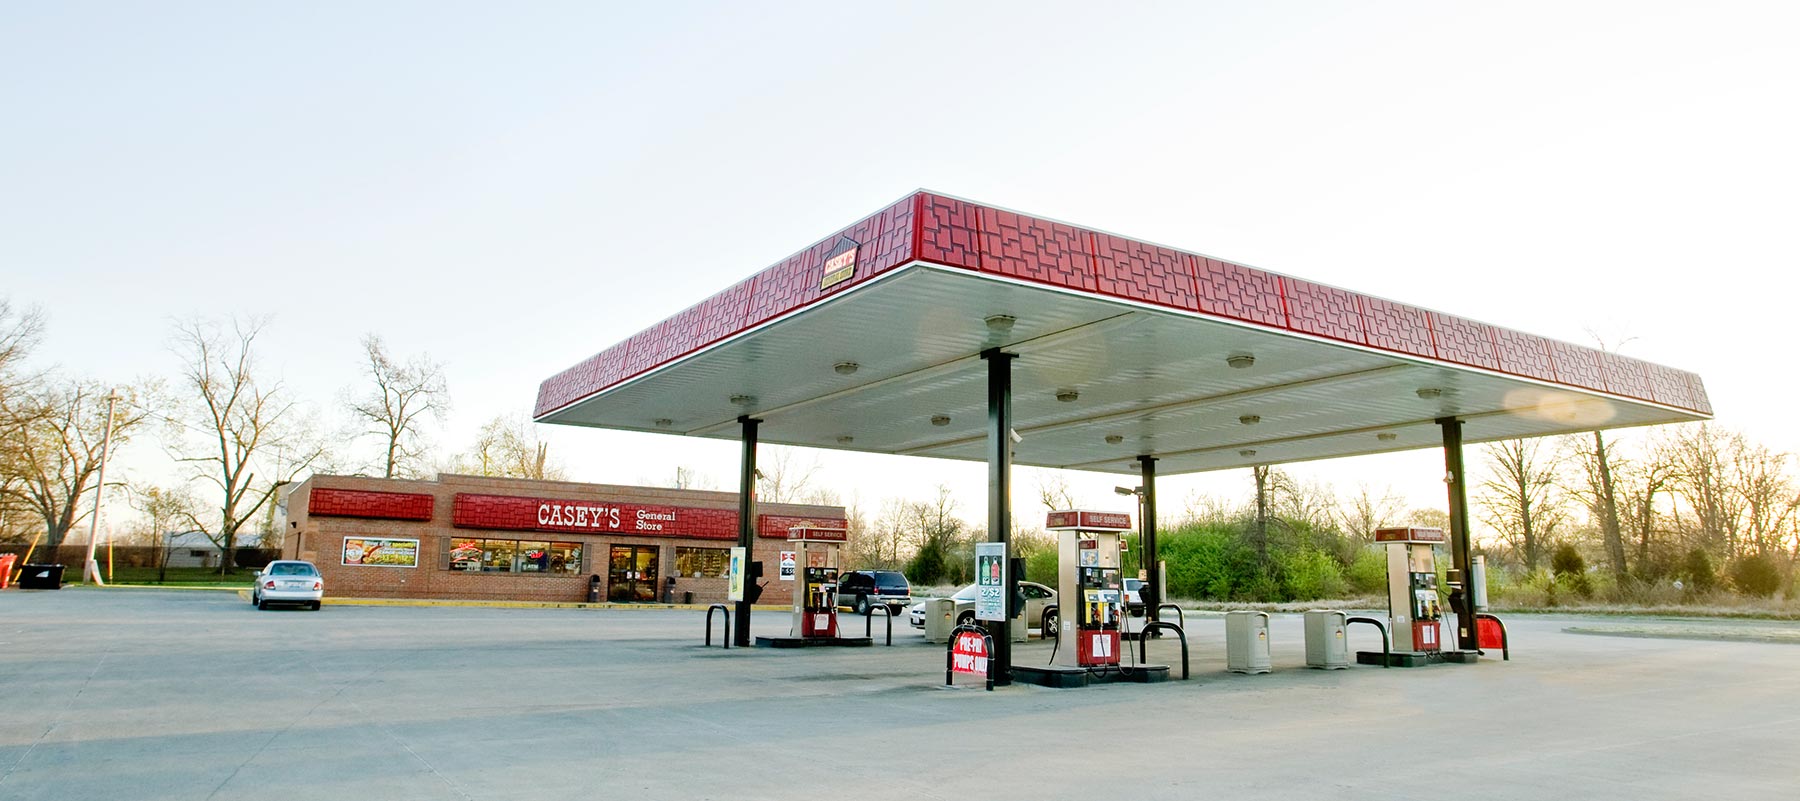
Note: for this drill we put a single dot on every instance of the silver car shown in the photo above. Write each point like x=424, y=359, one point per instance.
x=287, y=581
x=1037, y=596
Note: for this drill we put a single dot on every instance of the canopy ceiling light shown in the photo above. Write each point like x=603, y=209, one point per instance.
x=845, y=368
x=1239, y=361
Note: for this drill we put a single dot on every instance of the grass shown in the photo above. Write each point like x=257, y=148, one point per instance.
x=190, y=577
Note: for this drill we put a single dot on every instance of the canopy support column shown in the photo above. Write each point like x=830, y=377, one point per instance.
x=1153, y=588
x=1462, y=558
x=999, y=458
x=740, y=620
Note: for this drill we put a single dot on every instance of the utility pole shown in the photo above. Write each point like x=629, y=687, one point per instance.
x=91, y=569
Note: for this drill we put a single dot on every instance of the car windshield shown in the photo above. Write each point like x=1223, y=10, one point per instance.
x=888, y=578
x=291, y=569
x=1132, y=584
x=965, y=594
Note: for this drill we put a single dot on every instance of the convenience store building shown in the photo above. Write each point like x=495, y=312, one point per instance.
x=486, y=538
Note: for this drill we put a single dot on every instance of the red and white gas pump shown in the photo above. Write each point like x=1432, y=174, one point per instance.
x=1413, y=606
x=816, y=579
x=1089, y=591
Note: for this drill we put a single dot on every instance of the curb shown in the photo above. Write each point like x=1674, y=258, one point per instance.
x=245, y=595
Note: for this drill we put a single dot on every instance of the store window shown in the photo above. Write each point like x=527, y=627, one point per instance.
x=701, y=562
x=471, y=555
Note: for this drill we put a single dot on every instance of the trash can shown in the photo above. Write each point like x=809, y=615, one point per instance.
x=6, y=569
x=687, y=597
x=1247, y=642
x=593, y=596
x=41, y=577
x=940, y=618
x=1326, y=646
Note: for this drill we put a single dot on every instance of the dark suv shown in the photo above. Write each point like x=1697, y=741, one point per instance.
x=860, y=589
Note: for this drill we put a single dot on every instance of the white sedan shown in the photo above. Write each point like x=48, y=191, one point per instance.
x=287, y=581
x=1037, y=596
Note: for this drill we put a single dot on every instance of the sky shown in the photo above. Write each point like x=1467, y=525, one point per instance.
x=503, y=186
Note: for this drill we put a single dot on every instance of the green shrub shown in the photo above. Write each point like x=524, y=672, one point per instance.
x=1207, y=561
x=1697, y=571
x=1566, y=559
x=1757, y=575
x=1308, y=574
x=1368, y=571
x=928, y=565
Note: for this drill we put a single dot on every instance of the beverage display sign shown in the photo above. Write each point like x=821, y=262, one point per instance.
x=734, y=587
x=990, y=581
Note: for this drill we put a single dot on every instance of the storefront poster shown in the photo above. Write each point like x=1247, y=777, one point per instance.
x=734, y=588
x=381, y=552
x=990, y=581
x=787, y=565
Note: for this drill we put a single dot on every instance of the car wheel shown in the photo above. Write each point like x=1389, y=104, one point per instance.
x=254, y=600
x=862, y=604
x=262, y=604
x=965, y=618
x=1048, y=625
x=315, y=606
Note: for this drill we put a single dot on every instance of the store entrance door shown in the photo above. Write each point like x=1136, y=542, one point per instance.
x=631, y=576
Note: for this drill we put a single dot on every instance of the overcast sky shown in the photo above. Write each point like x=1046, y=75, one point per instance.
x=512, y=187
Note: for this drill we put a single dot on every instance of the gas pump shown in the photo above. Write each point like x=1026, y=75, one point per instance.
x=1090, y=592
x=815, y=599
x=1413, y=606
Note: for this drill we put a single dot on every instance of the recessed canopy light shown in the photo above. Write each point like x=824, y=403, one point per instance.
x=1239, y=361
x=743, y=400
x=1250, y=419
x=1387, y=436
x=1428, y=393
x=664, y=422
x=1247, y=453
x=940, y=419
x=846, y=439
x=845, y=368
x=1114, y=439
x=1000, y=323
x=1067, y=395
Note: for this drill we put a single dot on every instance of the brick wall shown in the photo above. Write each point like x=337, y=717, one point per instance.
x=319, y=537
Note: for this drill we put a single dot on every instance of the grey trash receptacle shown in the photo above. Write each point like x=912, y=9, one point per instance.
x=940, y=618
x=1326, y=646
x=1247, y=642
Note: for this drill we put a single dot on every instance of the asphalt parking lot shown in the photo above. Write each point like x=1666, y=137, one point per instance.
x=131, y=694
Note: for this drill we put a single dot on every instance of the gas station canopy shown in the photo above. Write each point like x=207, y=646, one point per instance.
x=871, y=340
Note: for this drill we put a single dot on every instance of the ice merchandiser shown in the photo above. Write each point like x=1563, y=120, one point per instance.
x=1413, y=606
x=1090, y=591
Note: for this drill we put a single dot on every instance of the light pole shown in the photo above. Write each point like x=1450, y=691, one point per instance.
x=91, y=569
x=1138, y=492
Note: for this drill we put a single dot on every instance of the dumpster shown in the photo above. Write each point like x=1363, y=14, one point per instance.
x=41, y=577
x=1247, y=642
x=1326, y=645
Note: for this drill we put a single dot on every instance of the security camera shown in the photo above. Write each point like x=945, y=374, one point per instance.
x=1015, y=436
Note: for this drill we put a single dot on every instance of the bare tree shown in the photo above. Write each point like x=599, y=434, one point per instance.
x=1054, y=492
x=1520, y=497
x=1705, y=461
x=508, y=447
x=55, y=434
x=782, y=479
x=163, y=508
x=397, y=402
x=1367, y=511
x=1639, y=483
x=20, y=332
x=1595, y=486
x=1769, y=498
x=245, y=424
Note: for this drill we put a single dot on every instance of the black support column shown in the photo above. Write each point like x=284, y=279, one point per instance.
x=999, y=455
x=1462, y=559
x=1153, y=589
x=746, y=529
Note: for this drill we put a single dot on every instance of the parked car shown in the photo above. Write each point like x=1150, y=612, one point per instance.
x=861, y=589
x=1037, y=597
x=1134, y=600
x=287, y=581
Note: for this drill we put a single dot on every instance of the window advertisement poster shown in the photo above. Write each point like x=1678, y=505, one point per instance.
x=990, y=581
x=734, y=588
x=787, y=565
x=381, y=552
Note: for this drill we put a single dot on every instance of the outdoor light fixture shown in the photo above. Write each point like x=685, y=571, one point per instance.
x=1247, y=453
x=664, y=422
x=1127, y=490
x=1000, y=323
x=1428, y=393
x=743, y=400
x=1114, y=439
x=1250, y=419
x=1239, y=361
x=1387, y=436
x=1067, y=395
x=940, y=420
x=846, y=439
x=845, y=368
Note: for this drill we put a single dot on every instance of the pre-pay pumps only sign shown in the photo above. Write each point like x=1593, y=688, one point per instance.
x=990, y=581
